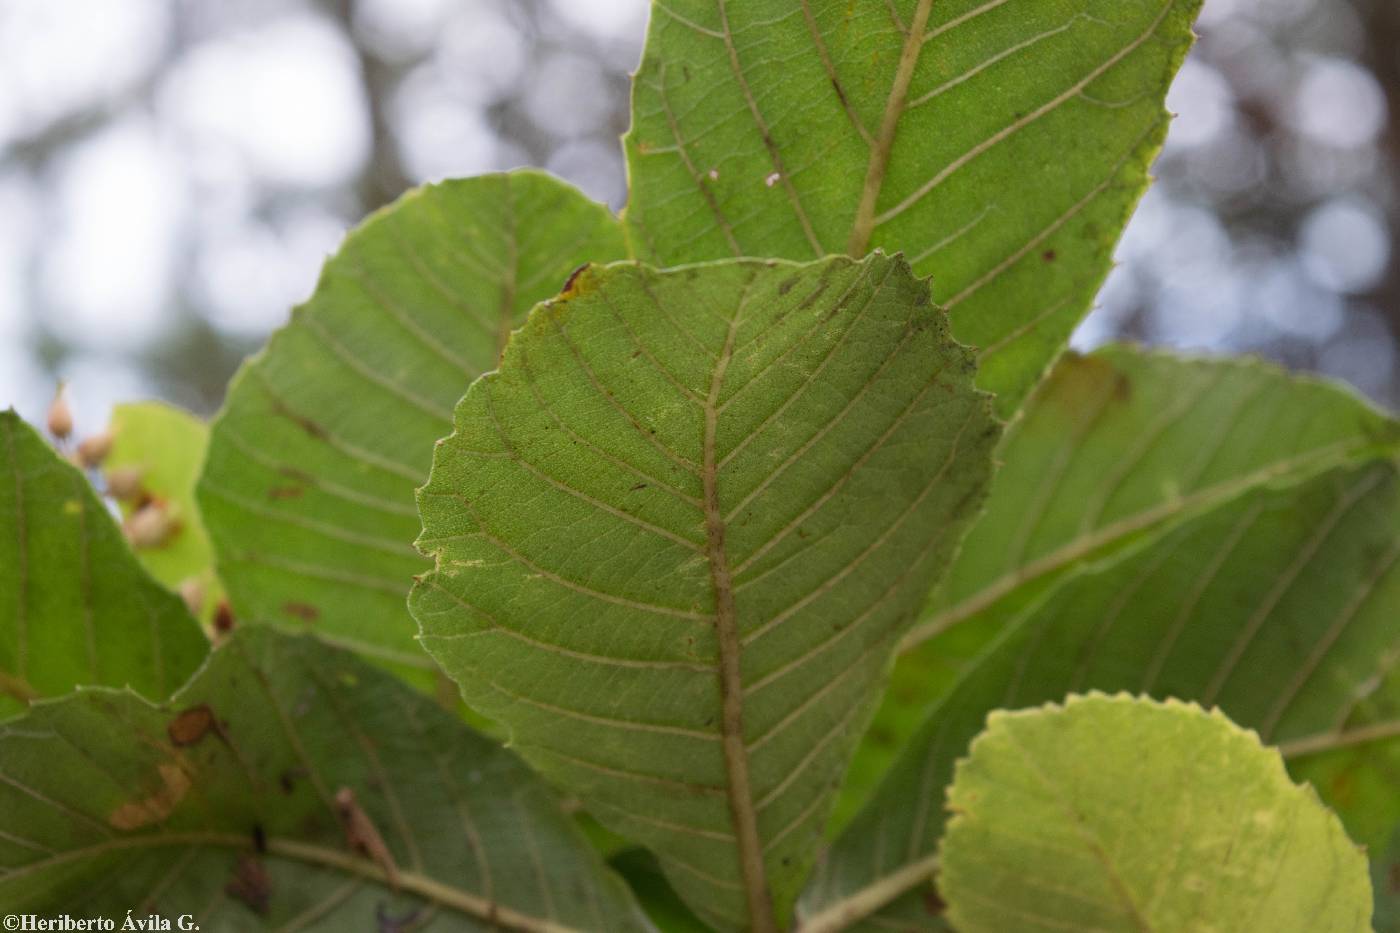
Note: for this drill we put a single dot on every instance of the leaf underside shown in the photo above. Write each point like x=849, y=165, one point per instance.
x=678, y=534
x=1110, y=451
x=1001, y=146
x=222, y=804
x=1118, y=444
x=1114, y=813
x=1278, y=606
x=307, y=491
x=76, y=607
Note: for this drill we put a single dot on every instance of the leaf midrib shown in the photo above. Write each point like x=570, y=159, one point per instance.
x=430, y=889
x=896, y=104
x=864, y=224
x=736, y=764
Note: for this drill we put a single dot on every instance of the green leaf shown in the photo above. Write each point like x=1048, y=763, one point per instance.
x=678, y=534
x=1001, y=146
x=1278, y=606
x=308, y=487
x=1114, y=813
x=229, y=803
x=1385, y=880
x=1113, y=449
x=1358, y=777
x=166, y=446
x=643, y=875
x=1117, y=445
x=75, y=605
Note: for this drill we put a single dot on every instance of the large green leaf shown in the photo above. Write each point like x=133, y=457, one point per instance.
x=1114, y=813
x=165, y=447
x=308, y=487
x=1111, y=450
x=1116, y=445
x=1279, y=606
x=1001, y=146
x=230, y=803
x=679, y=533
x=75, y=605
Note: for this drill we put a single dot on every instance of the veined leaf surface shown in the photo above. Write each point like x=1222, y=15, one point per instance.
x=678, y=534
x=238, y=801
x=1110, y=451
x=1117, y=445
x=1356, y=771
x=1000, y=145
x=1114, y=813
x=308, y=487
x=1278, y=606
x=75, y=605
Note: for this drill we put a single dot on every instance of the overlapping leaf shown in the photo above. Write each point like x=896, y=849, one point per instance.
x=288, y=786
x=1117, y=445
x=1279, y=606
x=75, y=605
x=1114, y=813
x=308, y=487
x=1001, y=146
x=678, y=534
x=1111, y=450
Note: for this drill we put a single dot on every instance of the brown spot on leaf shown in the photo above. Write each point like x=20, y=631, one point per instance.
x=190, y=725
x=314, y=428
x=285, y=492
x=303, y=611
x=1048, y=255
x=134, y=814
x=223, y=618
x=250, y=884
x=572, y=286
x=1343, y=785
x=1081, y=386
x=287, y=780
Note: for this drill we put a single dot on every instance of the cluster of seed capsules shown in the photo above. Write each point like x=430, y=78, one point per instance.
x=151, y=521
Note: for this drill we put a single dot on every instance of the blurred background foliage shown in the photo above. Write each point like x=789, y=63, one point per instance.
x=173, y=173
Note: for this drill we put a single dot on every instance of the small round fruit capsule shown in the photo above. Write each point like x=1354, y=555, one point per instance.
x=124, y=482
x=60, y=415
x=150, y=526
x=93, y=450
